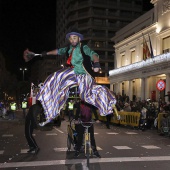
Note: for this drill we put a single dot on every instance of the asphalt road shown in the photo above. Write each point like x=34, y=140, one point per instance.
x=120, y=148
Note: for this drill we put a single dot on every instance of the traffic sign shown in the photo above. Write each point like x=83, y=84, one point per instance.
x=160, y=85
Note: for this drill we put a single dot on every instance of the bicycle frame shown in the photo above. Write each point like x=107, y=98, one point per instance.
x=87, y=141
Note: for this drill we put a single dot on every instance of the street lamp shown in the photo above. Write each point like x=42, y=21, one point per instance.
x=23, y=70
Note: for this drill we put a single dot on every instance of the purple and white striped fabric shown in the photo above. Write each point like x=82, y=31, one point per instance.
x=55, y=92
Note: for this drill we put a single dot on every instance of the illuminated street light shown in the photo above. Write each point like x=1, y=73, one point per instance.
x=23, y=70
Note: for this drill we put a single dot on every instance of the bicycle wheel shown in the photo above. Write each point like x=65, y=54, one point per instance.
x=68, y=143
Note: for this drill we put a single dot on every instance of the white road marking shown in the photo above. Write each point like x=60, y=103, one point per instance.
x=58, y=130
x=150, y=147
x=24, y=150
x=51, y=134
x=7, y=135
x=65, y=149
x=98, y=148
x=122, y=147
x=33, y=134
x=131, y=133
x=1, y=152
x=83, y=161
x=112, y=133
x=96, y=133
x=84, y=166
x=60, y=149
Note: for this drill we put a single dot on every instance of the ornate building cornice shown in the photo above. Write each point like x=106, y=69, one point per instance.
x=165, y=6
x=154, y=1
x=152, y=66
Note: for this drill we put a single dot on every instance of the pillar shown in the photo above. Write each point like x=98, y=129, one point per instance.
x=167, y=86
x=142, y=88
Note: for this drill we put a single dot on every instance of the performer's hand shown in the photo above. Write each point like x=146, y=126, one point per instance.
x=43, y=54
x=96, y=69
x=118, y=117
x=28, y=55
x=96, y=66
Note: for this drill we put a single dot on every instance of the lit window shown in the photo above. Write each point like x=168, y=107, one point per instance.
x=97, y=44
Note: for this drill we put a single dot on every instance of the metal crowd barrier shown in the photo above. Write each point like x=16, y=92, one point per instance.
x=126, y=118
x=160, y=117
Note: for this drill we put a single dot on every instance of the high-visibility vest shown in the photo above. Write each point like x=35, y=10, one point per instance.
x=13, y=106
x=24, y=105
x=70, y=106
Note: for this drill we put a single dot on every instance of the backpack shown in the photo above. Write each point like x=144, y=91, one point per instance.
x=85, y=112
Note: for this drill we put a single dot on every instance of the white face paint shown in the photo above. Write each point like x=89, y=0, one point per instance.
x=74, y=40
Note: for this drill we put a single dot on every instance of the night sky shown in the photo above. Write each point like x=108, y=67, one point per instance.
x=28, y=24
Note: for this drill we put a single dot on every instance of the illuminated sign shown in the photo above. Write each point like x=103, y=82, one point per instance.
x=141, y=64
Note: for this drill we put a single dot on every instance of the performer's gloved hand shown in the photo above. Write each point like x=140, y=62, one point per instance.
x=118, y=117
x=28, y=55
x=43, y=54
x=96, y=66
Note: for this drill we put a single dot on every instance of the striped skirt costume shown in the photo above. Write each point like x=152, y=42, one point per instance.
x=55, y=92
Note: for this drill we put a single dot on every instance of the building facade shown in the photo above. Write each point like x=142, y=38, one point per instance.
x=42, y=68
x=132, y=75
x=97, y=20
